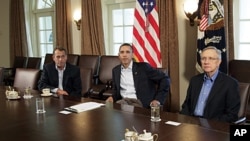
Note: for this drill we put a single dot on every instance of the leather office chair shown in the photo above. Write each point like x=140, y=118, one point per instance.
x=73, y=59
x=1, y=76
x=86, y=78
x=107, y=63
x=33, y=62
x=244, y=95
x=19, y=62
x=26, y=77
x=92, y=62
x=240, y=70
x=48, y=58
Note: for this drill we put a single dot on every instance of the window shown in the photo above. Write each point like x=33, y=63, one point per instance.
x=40, y=25
x=120, y=24
x=242, y=29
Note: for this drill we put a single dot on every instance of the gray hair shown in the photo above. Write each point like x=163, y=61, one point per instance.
x=213, y=48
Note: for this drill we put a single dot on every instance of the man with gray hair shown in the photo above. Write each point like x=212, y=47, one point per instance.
x=212, y=94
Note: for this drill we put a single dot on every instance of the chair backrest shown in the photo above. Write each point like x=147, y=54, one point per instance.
x=244, y=95
x=48, y=58
x=240, y=69
x=73, y=59
x=33, y=62
x=90, y=61
x=107, y=63
x=86, y=78
x=26, y=77
x=1, y=75
x=20, y=62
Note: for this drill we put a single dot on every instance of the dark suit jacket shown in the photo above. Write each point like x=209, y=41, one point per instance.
x=145, y=80
x=71, y=79
x=223, y=102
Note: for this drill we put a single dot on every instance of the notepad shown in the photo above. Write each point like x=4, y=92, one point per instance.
x=84, y=107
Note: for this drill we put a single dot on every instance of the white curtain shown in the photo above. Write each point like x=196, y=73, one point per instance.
x=29, y=30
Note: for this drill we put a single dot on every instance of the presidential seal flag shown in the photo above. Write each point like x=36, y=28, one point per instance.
x=146, y=43
x=211, y=30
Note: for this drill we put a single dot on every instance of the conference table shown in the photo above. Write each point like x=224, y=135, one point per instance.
x=19, y=121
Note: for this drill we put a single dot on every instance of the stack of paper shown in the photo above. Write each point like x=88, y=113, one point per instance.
x=84, y=106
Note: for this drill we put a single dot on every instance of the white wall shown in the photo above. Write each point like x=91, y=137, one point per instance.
x=187, y=49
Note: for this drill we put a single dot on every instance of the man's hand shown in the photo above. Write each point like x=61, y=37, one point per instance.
x=155, y=103
x=61, y=92
x=110, y=99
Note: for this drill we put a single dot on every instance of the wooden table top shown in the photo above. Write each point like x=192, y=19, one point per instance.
x=20, y=121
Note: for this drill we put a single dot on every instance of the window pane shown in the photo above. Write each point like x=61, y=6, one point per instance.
x=41, y=23
x=48, y=22
x=118, y=34
x=117, y=17
x=129, y=16
x=49, y=37
x=46, y=48
x=50, y=48
x=116, y=49
x=42, y=36
x=128, y=32
x=243, y=52
x=244, y=9
x=45, y=22
x=244, y=31
x=41, y=4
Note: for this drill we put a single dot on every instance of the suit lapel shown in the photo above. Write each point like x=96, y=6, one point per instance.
x=216, y=86
x=135, y=75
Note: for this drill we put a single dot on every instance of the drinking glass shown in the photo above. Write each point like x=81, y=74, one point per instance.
x=40, y=105
x=155, y=112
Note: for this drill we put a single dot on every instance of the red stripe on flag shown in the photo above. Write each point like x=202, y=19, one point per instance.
x=146, y=42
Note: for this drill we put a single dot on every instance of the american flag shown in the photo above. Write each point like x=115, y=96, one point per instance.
x=146, y=43
x=204, y=18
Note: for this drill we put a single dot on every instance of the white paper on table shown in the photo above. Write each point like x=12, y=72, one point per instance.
x=172, y=123
x=84, y=106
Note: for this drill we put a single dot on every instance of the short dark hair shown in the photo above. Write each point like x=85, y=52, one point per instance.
x=126, y=44
x=60, y=49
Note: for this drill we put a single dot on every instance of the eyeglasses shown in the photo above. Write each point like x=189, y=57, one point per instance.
x=203, y=59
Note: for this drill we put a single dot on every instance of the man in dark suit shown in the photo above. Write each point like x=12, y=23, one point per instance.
x=60, y=76
x=135, y=83
x=212, y=94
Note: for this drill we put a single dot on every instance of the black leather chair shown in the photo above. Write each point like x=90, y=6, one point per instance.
x=99, y=90
x=19, y=62
x=244, y=95
x=26, y=77
x=48, y=58
x=240, y=70
x=92, y=62
x=73, y=59
x=86, y=78
x=33, y=62
x=1, y=76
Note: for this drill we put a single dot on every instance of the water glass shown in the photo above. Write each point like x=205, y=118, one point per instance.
x=40, y=105
x=155, y=112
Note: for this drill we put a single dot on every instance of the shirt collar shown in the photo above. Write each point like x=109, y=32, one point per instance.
x=59, y=69
x=213, y=77
x=129, y=67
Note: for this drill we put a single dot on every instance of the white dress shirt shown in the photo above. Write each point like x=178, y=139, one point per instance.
x=60, y=79
x=127, y=82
